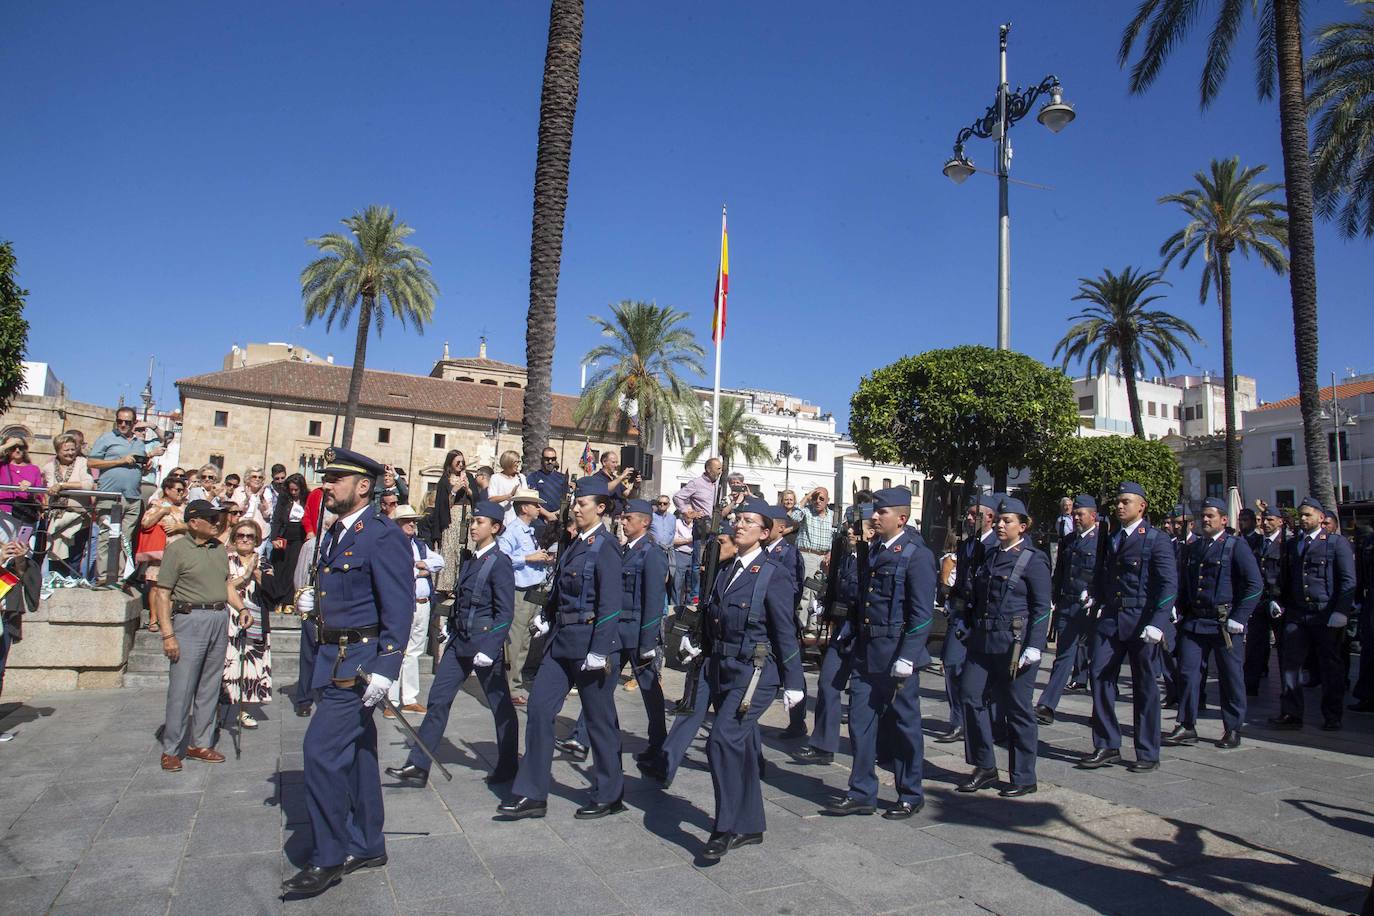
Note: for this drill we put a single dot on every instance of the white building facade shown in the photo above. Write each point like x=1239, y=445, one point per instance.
x=1181, y=405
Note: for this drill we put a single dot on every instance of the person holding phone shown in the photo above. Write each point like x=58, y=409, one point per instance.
x=14, y=552
x=121, y=457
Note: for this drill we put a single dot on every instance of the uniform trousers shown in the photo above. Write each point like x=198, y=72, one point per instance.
x=685, y=726
x=1193, y=652
x=987, y=680
x=880, y=702
x=1166, y=662
x=1108, y=654
x=953, y=655
x=596, y=690
x=734, y=754
x=193, y=680
x=343, y=785
x=406, y=688
x=309, y=647
x=1297, y=638
x=836, y=667
x=453, y=672
x=1257, y=636
x=650, y=690
x=1071, y=634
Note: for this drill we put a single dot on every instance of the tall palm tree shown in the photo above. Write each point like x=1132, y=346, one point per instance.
x=1341, y=74
x=738, y=436
x=557, y=109
x=1277, y=53
x=642, y=372
x=1228, y=212
x=1117, y=327
x=371, y=263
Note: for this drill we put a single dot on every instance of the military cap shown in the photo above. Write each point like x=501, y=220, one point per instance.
x=592, y=485
x=488, y=509
x=202, y=509
x=347, y=461
x=1327, y=513
x=778, y=513
x=1011, y=504
x=1130, y=488
x=639, y=505
x=988, y=501
x=1311, y=502
x=1273, y=512
x=755, y=505
x=1084, y=501
x=1212, y=502
x=892, y=498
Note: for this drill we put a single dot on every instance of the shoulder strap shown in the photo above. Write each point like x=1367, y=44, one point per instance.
x=756, y=597
x=1019, y=569
x=589, y=569
x=479, y=585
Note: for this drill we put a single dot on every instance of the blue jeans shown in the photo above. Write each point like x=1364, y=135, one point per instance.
x=694, y=573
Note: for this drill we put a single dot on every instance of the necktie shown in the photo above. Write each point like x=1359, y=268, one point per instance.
x=735, y=567
x=1302, y=545
x=1116, y=540
x=335, y=531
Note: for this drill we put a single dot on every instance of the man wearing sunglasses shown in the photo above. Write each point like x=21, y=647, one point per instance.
x=121, y=458
x=552, y=485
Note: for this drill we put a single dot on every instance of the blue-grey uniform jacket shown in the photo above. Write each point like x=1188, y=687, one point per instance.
x=789, y=559
x=893, y=618
x=484, y=605
x=1001, y=607
x=1137, y=582
x=1319, y=580
x=755, y=609
x=644, y=574
x=1076, y=569
x=1219, y=573
x=584, y=606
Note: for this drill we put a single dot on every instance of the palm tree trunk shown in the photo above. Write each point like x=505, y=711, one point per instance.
x=355, y=377
x=1228, y=369
x=1302, y=253
x=557, y=109
x=1128, y=369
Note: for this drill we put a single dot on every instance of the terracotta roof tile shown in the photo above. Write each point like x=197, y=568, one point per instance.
x=482, y=362
x=1348, y=390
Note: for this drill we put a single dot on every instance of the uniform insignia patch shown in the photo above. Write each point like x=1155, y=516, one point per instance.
x=896, y=548
x=754, y=569
x=591, y=540
x=358, y=527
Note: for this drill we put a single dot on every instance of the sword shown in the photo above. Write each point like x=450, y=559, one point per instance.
x=405, y=726
x=1017, y=631
x=759, y=657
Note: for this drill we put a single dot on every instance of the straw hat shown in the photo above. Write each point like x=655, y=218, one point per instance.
x=525, y=495
x=405, y=513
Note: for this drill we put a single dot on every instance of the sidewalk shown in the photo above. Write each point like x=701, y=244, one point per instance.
x=91, y=824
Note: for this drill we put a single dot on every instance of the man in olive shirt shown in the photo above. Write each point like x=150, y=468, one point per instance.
x=190, y=602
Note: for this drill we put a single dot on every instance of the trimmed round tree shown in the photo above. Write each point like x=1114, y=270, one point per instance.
x=1097, y=465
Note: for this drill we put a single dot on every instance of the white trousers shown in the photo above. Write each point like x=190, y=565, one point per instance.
x=406, y=690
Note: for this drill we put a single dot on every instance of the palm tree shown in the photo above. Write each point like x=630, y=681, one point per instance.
x=1341, y=73
x=738, y=436
x=557, y=109
x=1228, y=212
x=641, y=374
x=370, y=263
x=1277, y=53
x=1117, y=327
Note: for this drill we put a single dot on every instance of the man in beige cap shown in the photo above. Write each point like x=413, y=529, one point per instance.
x=531, y=565
x=405, y=693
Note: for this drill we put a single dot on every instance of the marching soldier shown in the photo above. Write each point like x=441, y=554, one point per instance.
x=478, y=620
x=1075, y=575
x=1265, y=620
x=1319, y=587
x=1184, y=538
x=363, y=605
x=979, y=538
x=780, y=551
x=1219, y=590
x=1137, y=585
x=1006, y=631
x=1363, y=690
x=890, y=626
x=581, y=628
x=750, y=631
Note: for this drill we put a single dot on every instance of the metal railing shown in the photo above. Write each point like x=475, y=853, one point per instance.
x=49, y=505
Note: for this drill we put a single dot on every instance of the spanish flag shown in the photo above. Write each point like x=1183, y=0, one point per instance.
x=722, y=284
x=8, y=580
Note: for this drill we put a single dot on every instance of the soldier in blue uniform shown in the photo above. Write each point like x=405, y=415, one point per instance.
x=1137, y=586
x=1006, y=629
x=838, y=663
x=1363, y=691
x=1266, y=619
x=782, y=552
x=1218, y=592
x=1319, y=588
x=1075, y=576
x=1184, y=538
x=750, y=631
x=363, y=605
x=979, y=539
x=479, y=618
x=581, y=626
x=891, y=624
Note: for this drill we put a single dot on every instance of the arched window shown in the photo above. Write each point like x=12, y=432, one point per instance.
x=511, y=385
x=465, y=378
x=489, y=381
x=21, y=431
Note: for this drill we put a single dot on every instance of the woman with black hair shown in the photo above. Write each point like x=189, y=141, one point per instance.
x=288, y=534
x=456, y=494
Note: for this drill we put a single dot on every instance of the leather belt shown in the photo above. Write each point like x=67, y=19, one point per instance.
x=571, y=618
x=349, y=634
x=813, y=550
x=186, y=607
x=422, y=601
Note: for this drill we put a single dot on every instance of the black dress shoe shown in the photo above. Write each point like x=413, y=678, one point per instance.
x=950, y=737
x=1017, y=791
x=593, y=811
x=1362, y=706
x=410, y=774
x=571, y=749
x=1101, y=757
x=521, y=807
x=1044, y=715
x=721, y=843
x=1169, y=704
x=1229, y=740
x=353, y=863
x=1143, y=766
x=653, y=769
x=312, y=880
x=848, y=805
x=1181, y=736
x=304, y=711
x=793, y=731
x=1331, y=725
x=811, y=754
x=1075, y=687
x=1286, y=722
x=980, y=778
x=1252, y=691
x=903, y=810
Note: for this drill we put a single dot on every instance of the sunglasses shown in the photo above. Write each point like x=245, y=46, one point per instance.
x=245, y=537
x=124, y=422
x=549, y=460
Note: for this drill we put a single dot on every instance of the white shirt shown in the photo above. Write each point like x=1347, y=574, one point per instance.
x=1011, y=546
x=892, y=540
x=434, y=561
x=1129, y=530
x=347, y=522
x=744, y=563
x=629, y=545
x=297, y=511
x=501, y=485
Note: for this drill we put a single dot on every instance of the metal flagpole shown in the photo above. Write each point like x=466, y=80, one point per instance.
x=718, y=322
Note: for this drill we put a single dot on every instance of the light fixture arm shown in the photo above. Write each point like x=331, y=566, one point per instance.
x=1019, y=104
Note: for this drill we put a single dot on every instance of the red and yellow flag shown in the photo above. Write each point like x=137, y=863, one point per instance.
x=722, y=285
x=8, y=580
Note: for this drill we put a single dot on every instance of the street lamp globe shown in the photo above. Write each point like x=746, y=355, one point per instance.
x=1056, y=113
x=958, y=169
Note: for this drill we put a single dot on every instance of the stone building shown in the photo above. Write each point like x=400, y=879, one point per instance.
x=1180, y=405
x=43, y=411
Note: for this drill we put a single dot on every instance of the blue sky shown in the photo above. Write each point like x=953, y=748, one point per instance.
x=164, y=163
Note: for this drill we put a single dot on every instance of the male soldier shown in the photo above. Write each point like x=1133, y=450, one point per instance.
x=1364, y=600
x=979, y=538
x=891, y=626
x=1075, y=572
x=1184, y=538
x=1319, y=587
x=1247, y=525
x=1266, y=619
x=779, y=550
x=363, y=605
x=1218, y=591
x=1137, y=584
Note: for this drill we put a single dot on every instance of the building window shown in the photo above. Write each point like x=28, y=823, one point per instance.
x=1283, y=499
x=688, y=440
x=217, y=461
x=221, y=418
x=464, y=378
x=316, y=429
x=1215, y=486
x=383, y=435
x=915, y=488
x=1345, y=493
x=887, y=482
x=488, y=381
x=440, y=440
x=1283, y=452
x=1152, y=409
x=1177, y=413
x=1331, y=447
x=1085, y=402
x=511, y=385
x=811, y=451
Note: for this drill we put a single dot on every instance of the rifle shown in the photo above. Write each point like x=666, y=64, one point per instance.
x=688, y=621
x=555, y=533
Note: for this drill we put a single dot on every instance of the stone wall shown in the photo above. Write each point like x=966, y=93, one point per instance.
x=77, y=639
x=43, y=418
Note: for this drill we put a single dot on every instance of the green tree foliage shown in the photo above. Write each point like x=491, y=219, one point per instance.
x=14, y=330
x=1097, y=465
x=1340, y=79
x=950, y=412
x=739, y=436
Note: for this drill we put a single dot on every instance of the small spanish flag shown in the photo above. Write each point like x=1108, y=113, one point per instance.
x=8, y=580
x=722, y=284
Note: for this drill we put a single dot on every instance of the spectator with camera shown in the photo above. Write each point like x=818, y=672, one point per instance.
x=816, y=531
x=121, y=456
x=621, y=483
x=694, y=502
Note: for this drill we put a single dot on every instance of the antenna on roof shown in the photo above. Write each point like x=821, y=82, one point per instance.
x=482, y=346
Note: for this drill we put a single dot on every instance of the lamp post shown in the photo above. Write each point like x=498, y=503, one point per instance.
x=786, y=451
x=1008, y=108
x=1339, y=417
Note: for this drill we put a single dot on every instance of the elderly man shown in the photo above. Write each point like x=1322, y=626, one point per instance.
x=695, y=501
x=815, y=531
x=120, y=456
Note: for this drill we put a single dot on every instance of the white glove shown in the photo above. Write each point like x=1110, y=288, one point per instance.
x=482, y=661
x=960, y=631
x=686, y=648
x=1085, y=600
x=377, y=686
x=1337, y=619
x=648, y=653
x=593, y=662
x=1029, y=656
x=1152, y=635
x=844, y=632
x=1274, y=610
x=539, y=626
x=902, y=668
x=305, y=601
x=791, y=698
x=1174, y=616
x=1235, y=626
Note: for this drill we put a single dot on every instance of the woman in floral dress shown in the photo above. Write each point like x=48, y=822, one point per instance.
x=248, y=662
